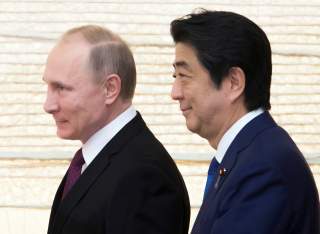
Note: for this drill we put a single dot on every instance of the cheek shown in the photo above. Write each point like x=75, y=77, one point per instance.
x=74, y=112
x=207, y=106
x=199, y=101
x=92, y=109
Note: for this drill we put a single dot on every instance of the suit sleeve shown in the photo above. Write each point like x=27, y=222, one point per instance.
x=146, y=201
x=255, y=202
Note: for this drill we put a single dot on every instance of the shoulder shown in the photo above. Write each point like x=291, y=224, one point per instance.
x=274, y=146
x=274, y=153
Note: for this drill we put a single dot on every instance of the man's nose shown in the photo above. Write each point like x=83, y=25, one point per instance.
x=50, y=105
x=176, y=92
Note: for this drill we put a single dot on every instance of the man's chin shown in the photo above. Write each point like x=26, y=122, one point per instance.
x=191, y=127
x=66, y=136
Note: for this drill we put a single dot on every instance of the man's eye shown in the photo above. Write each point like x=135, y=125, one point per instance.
x=60, y=87
x=182, y=75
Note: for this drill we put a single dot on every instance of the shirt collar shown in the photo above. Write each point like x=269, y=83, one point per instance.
x=233, y=131
x=98, y=140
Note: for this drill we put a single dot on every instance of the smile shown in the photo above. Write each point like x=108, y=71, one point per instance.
x=185, y=110
x=58, y=122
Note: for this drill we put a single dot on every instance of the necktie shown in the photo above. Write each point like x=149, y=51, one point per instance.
x=74, y=172
x=212, y=174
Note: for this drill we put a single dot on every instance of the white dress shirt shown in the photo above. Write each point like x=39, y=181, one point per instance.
x=98, y=140
x=233, y=131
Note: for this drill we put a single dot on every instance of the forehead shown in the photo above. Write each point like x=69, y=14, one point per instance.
x=186, y=61
x=185, y=57
x=70, y=50
x=67, y=59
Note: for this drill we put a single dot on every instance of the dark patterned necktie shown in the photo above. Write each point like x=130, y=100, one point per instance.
x=212, y=174
x=74, y=172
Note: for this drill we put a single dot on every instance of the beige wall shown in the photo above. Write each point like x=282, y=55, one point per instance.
x=28, y=29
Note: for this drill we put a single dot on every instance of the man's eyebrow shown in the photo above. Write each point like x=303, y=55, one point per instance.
x=55, y=83
x=181, y=64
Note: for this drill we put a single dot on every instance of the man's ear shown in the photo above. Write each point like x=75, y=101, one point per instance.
x=236, y=83
x=111, y=88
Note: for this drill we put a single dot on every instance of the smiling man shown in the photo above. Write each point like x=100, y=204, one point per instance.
x=258, y=181
x=122, y=180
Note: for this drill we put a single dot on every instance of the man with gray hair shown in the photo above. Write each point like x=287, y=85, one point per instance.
x=122, y=180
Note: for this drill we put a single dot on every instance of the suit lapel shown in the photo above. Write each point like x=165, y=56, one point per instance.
x=56, y=204
x=92, y=172
x=242, y=140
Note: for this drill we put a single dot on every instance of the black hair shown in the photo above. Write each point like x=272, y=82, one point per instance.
x=223, y=40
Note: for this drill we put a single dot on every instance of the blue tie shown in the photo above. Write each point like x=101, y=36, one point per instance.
x=212, y=174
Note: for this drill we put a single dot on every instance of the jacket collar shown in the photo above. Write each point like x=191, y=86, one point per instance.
x=242, y=140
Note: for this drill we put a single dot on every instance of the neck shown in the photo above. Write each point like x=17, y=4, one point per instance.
x=112, y=112
x=117, y=109
x=233, y=116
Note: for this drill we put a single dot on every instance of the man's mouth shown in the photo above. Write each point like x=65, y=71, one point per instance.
x=58, y=121
x=185, y=110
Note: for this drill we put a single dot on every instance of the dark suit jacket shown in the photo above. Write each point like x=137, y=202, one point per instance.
x=267, y=188
x=132, y=186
